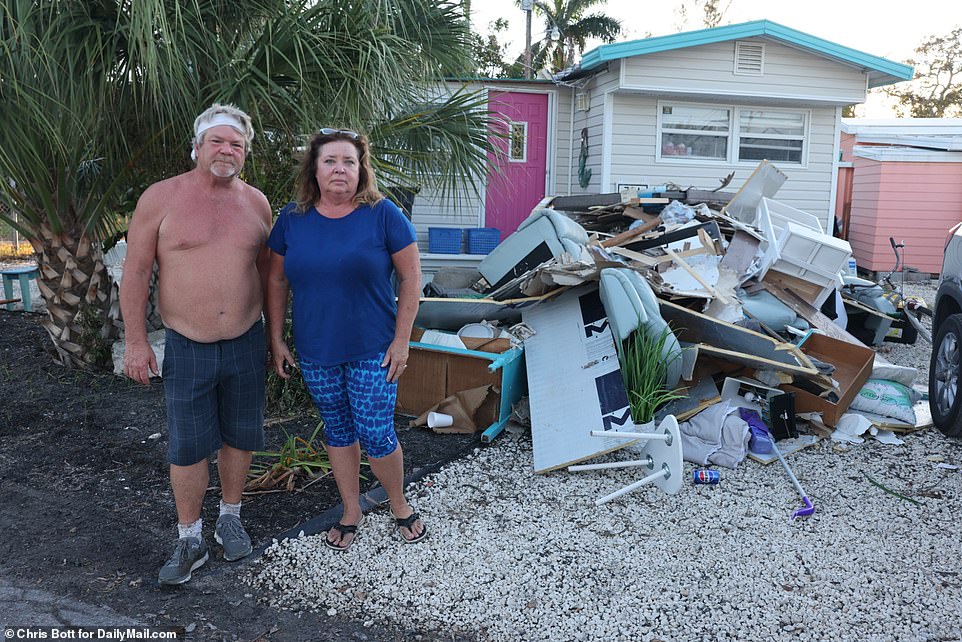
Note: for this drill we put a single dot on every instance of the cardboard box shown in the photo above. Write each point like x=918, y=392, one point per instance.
x=436, y=372
x=853, y=366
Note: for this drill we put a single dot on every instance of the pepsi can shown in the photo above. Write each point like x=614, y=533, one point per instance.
x=706, y=476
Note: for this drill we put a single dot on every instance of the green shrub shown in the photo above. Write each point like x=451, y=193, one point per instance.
x=645, y=371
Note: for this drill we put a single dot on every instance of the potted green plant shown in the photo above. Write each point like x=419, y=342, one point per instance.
x=644, y=369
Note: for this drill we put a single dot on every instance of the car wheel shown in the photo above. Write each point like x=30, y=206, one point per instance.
x=945, y=399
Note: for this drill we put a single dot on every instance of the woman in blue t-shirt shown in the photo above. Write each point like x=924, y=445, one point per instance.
x=335, y=247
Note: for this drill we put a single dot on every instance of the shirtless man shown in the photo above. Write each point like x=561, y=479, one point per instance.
x=206, y=229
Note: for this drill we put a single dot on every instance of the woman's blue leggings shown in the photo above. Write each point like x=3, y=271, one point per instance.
x=356, y=403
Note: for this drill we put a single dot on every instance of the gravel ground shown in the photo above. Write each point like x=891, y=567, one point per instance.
x=517, y=556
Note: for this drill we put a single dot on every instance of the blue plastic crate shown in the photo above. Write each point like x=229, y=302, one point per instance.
x=444, y=240
x=481, y=240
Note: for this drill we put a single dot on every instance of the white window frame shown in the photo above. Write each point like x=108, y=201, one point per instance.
x=734, y=134
x=524, y=158
x=804, y=136
x=685, y=159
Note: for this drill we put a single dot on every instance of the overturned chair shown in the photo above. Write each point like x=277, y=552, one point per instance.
x=631, y=305
x=544, y=235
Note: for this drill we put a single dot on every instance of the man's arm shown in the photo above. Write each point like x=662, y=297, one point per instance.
x=139, y=360
x=263, y=261
x=278, y=291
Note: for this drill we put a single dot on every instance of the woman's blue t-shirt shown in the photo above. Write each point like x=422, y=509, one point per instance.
x=339, y=270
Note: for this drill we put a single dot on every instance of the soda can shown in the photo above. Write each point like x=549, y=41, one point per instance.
x=706, y=476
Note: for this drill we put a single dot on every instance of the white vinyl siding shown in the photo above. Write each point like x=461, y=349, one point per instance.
x=561, y=180
x=789, y=74
x=636, y=153
x=594, y=121
x=430, y=210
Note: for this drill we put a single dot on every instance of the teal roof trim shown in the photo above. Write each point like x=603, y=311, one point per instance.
x=618, y=50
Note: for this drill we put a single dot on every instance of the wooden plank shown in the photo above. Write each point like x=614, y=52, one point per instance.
x=707, y=196
x=732, y=342
x=651, y=261
x=809, y=291
x=707, y=242
x=628, y=235
x=683, y=264
x=741, y=252
x=754, y=361
x=584, y=201
x=858, y=305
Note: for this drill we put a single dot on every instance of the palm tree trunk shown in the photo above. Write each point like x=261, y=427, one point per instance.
x=82, y=301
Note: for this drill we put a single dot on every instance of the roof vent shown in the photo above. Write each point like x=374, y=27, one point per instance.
x=749, y=59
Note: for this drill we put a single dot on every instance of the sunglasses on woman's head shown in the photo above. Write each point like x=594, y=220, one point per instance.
x=327, y=131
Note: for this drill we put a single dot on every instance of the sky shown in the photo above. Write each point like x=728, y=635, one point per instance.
x=888, y=30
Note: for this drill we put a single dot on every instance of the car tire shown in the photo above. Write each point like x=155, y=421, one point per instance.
x=945, y=377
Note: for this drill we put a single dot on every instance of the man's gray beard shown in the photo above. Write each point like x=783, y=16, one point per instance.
x=216, y=169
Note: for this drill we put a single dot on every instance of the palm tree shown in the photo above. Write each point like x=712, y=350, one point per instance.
x=98, y=99
x=567, y=30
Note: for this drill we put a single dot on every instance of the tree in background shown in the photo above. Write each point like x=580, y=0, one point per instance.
x=936, y=90
x=567, y=30
x=711, y=10
x=490, y=55
x=98, y=99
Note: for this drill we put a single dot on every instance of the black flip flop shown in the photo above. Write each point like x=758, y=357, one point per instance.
x=408, y=523
x=343, y=529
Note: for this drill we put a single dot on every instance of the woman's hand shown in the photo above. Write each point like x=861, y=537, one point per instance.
x=396, y=360
x=282, y=359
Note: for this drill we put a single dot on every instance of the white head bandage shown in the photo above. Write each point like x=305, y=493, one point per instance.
x=215, y=121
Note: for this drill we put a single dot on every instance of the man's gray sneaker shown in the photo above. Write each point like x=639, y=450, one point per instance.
x=231, y=535
x=189, y=555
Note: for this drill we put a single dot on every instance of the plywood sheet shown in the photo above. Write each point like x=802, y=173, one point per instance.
x=574, y=380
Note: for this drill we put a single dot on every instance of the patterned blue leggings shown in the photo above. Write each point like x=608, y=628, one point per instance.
x=356, y=403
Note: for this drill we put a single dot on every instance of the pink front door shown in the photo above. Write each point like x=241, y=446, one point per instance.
x=516, y=182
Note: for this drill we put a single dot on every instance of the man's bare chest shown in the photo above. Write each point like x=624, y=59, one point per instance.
x=214, y=227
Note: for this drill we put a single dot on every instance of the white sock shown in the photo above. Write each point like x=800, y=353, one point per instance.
x=230, y=509
x=191, y=530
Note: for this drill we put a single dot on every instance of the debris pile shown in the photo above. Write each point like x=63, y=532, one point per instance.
x=737, y=296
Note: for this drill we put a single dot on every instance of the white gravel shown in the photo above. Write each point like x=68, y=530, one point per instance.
x=517, y=556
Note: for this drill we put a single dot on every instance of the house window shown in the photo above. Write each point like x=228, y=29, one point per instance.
x=518, y=142
x=772, y=135
x=731, y=134
x=695, y=132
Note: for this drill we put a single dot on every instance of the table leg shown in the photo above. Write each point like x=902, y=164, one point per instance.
x=25, y=293
x=8, y=291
